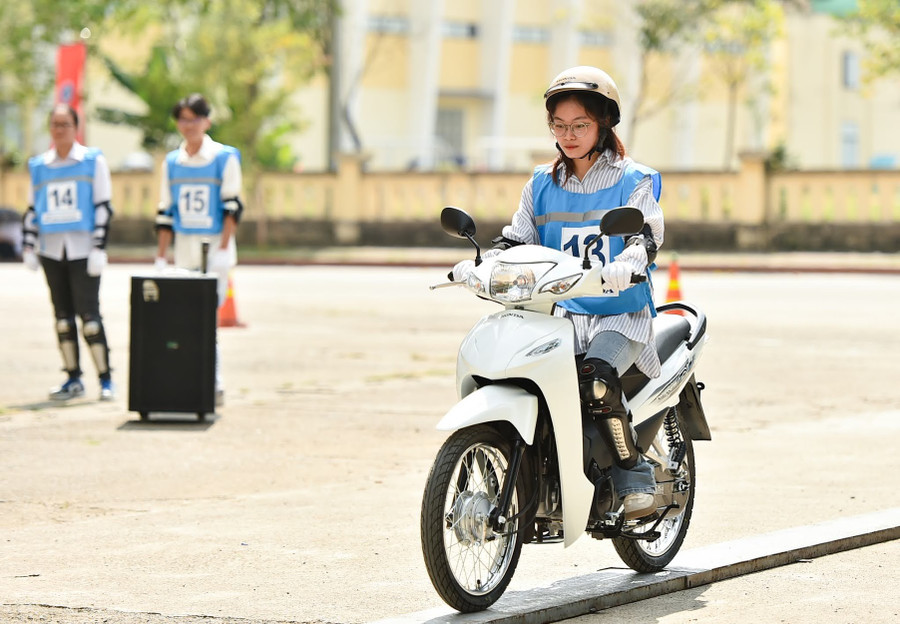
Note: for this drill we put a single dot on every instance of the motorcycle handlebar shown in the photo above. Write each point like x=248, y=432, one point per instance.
x=635, y=279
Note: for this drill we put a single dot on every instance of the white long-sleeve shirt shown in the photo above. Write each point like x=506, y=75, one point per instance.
x=637, y=326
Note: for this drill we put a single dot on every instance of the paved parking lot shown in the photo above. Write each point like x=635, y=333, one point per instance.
x=299, y=502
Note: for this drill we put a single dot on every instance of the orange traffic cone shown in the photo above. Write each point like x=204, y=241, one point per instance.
x=674, y=291
x=227, y=313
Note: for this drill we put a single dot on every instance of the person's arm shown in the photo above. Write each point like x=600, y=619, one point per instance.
x=164, y=215
x=521, y=231
x=640, y=250
x=229, y=225
x=642, y=199
x=30, y=231
x=232, y=183
x=102, y=202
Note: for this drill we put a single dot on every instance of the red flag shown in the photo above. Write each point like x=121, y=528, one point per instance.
x=69, y=77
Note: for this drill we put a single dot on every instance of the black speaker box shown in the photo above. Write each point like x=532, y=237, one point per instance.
x=173, y=345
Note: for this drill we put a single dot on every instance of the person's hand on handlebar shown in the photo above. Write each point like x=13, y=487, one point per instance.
x=620, y=273
x=461, y=270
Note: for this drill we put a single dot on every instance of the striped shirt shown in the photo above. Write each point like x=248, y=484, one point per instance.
x=637, y=326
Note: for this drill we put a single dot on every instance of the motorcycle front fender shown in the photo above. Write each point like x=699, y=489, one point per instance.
x=495, y=403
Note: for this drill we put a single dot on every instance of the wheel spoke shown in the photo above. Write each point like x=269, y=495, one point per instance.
x=477, y=561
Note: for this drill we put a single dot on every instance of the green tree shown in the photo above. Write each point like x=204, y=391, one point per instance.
x=737, y=44
x=248, y=57
x=878, y=23
x=158, y=85
x=29, y=31
x=665, y=27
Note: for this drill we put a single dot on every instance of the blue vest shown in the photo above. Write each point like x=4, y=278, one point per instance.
x=64, y=196
x=569, y=221
x=197, y=193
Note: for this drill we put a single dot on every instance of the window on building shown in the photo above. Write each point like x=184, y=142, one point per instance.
x=389, y=24
x=449, y=137
x=850, y=70
x=530, y=34
x=850, y=145
x=595, y=38
x=459, y=30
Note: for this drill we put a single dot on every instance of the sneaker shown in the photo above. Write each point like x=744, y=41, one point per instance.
x=69, y=390
x=107, y=390
x=639, y=506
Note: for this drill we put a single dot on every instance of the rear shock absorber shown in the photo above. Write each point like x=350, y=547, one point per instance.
x=677, y=447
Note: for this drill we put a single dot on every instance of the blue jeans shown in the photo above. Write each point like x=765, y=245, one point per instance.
x=621, y=352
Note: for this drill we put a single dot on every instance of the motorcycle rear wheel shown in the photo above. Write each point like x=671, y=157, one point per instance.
x=470, y=564
x=646, y=556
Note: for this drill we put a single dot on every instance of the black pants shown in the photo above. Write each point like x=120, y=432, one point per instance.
x=75, y=293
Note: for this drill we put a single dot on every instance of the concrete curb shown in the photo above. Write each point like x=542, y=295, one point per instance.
x=615, y=586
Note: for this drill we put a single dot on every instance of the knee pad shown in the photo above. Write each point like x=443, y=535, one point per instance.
x=65, y=329
x=96, y=339
x=601, y=398
x=601, y=390
x=93, y=330
x=68, y=344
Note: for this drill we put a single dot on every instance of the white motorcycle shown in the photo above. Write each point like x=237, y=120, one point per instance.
x=522, y=465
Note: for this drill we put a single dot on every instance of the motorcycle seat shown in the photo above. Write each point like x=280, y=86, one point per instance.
x=670, y=330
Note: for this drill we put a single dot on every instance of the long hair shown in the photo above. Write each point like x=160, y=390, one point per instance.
x=598, y=108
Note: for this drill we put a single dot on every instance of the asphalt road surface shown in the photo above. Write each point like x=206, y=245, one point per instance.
x=299, y=501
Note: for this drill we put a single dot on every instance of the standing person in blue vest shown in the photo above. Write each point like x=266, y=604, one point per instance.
x=561, y=207
x=200, y=202
x=64, y=230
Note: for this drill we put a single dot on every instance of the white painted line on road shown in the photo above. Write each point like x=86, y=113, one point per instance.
x=615, y=586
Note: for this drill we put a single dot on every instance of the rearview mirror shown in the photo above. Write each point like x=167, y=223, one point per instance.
x=617, y=222
x=457, y=222
x=622, y=221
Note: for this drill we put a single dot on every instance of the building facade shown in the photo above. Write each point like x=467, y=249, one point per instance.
x=458, y=85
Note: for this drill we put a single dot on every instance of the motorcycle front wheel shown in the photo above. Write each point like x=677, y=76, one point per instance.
x=653, y=556
x=470, y=562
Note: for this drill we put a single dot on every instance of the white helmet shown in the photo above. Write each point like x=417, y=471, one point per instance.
x=586, y=78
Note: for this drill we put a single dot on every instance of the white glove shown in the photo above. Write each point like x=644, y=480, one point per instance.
x=617, y=275
x=462, y=269
x=96, y=262
x=30, y=259
x=219, y=261
x=160, y=264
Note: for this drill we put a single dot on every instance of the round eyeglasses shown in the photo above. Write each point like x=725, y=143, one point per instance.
x=578, y=129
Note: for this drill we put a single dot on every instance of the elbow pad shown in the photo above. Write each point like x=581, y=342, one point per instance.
x=29, y=228
x=234, y=207
x=102, y=214
x=645, y=238
x=164, y=220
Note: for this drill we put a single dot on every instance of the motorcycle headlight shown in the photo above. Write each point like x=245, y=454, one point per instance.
x=561, y=286
x=514, y=283
x=475, y=284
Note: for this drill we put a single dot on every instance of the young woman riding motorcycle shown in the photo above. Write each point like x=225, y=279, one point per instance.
x=561, y=207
